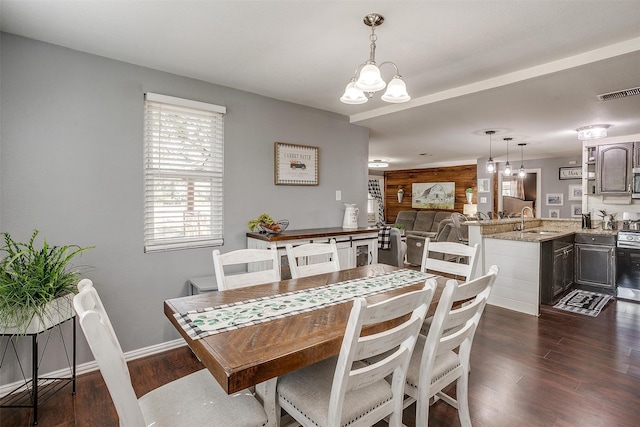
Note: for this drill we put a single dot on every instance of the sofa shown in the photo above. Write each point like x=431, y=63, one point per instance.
x=437, y=225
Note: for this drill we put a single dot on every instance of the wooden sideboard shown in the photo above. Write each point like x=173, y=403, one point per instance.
x=356, y=247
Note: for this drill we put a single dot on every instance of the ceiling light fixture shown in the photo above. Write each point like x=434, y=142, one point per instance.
x=378, y=164
x=592, y=132
x=507, y=166
x=491, y=166
x=367, y=77
x=522, y=172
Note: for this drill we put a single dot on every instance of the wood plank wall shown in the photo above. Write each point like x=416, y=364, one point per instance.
x=464, y=177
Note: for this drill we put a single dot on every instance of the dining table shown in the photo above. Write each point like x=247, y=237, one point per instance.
x=305, y=324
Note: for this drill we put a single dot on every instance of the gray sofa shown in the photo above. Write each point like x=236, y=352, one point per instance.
x=437, y=225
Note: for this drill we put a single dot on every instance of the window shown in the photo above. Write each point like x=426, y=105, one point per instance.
x=183, y=173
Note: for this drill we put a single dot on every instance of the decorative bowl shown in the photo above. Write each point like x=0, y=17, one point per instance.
x=283, y=223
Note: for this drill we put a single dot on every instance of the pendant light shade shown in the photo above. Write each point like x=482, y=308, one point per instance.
x=507, y=166
x=522, y=172
x=368, y=77
x=396, y=91
x=353, y=95
x=491, y=166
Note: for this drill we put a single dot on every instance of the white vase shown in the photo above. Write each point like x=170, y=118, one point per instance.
x=469, y=197
x=57, y=311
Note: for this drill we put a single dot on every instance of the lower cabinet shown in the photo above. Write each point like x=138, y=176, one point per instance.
x=557, y=268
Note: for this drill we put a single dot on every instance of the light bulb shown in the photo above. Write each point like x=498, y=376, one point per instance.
x=491, y=166
x=507, y=169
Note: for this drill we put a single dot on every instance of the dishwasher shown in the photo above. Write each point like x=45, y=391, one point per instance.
x=628, y=265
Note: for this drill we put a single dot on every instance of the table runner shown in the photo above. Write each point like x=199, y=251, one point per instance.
x=213, y=320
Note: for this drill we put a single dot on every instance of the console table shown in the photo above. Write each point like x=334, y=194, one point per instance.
x=356, y=247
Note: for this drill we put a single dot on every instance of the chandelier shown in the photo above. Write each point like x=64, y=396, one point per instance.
x=367, y=77
x=491, y=166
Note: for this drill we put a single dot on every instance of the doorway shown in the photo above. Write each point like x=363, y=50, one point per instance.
x=514, y=188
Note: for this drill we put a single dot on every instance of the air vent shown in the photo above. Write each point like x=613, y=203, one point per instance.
x=619, y=94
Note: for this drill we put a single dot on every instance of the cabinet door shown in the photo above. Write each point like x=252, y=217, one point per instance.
x=636, y=154
x=595, y=265
x=568, y=268
x=557, y=280
x=613, y=166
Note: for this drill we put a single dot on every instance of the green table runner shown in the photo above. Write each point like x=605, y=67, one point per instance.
x=214, y=320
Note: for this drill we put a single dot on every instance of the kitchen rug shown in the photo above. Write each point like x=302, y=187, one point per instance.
x=583, y=302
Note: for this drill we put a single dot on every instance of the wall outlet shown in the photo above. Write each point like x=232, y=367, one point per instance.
x=338, y=195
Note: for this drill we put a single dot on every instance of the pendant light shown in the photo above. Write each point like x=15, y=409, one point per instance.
x=491, y=166
x=507, y=166
x=522, y=172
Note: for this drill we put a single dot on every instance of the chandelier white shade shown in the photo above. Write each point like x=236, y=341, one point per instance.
x=368, y=77
x=592, y=132
x=491, y=166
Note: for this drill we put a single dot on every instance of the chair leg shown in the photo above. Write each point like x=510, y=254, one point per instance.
x=422, y=413
x=462, y=396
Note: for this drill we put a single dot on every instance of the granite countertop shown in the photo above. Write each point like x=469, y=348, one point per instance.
x=529, y=236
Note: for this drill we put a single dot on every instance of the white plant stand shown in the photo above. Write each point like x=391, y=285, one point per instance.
x=36, y=389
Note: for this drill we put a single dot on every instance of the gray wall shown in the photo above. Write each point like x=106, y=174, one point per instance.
x=550, y=183
x=71, y=167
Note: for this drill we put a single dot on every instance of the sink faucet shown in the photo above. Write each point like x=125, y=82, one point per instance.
x=522, y=216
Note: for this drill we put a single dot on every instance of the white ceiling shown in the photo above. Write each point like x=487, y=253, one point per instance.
x=529, y=69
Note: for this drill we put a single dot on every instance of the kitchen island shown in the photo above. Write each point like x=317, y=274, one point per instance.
x=523, y=256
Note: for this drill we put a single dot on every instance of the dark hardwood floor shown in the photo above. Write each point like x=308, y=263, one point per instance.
x=560, y=369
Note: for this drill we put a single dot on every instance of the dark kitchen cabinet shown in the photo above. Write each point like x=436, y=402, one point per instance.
x=595, y=262
x=557, y=268
x=614, y=169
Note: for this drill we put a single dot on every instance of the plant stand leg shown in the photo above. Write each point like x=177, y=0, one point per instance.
x=34, y=378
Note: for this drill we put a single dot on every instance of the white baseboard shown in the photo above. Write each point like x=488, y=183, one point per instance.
x=92, y=366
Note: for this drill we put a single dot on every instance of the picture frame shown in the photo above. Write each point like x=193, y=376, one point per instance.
x=575, y=192
x=296, y=164
x=433, y=195
x=554, y=213
x=483, y=185
x=571, y=172
x=554, y=199
x=576, y=210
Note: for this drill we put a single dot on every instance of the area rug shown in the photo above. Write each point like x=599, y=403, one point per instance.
x=583, y=302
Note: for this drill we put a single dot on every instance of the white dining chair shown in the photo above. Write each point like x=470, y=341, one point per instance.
x=343, y=390
x=447, y=257
x=266, y=260
x=312, y=258
x=194, y=400
x=442, y=357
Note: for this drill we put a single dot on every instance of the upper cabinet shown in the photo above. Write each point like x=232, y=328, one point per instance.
x=614, y=169
x=636, y=155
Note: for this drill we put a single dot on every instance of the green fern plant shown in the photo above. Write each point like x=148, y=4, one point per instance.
x=31, y=277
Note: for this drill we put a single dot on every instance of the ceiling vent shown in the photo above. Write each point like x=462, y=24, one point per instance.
x=619, y=94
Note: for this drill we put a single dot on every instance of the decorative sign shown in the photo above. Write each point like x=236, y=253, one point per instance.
x=574, y=172
x=433, y=195
x=296, y=164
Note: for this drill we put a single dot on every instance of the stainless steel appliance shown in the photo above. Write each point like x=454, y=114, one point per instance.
x=628, y=265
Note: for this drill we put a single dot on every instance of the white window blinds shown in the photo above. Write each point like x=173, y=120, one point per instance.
x=183, y=173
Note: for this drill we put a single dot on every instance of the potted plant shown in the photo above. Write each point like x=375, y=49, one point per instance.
x=36, y=285
x=469, y=193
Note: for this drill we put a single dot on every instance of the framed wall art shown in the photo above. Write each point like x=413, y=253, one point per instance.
x=573, y=172
x=576, y=210
x=296, y=164
x=433, y=195
x=555, y=199
x=554, y=213
x=483, y=185
x=575, y=192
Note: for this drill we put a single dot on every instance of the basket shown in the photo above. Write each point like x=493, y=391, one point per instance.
x=283, y=223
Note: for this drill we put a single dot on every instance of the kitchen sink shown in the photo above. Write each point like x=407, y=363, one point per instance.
x=541, y=232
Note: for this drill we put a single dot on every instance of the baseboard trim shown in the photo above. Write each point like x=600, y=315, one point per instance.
x=92, y=366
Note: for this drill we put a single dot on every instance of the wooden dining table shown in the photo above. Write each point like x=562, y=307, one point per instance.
x=251, y=355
